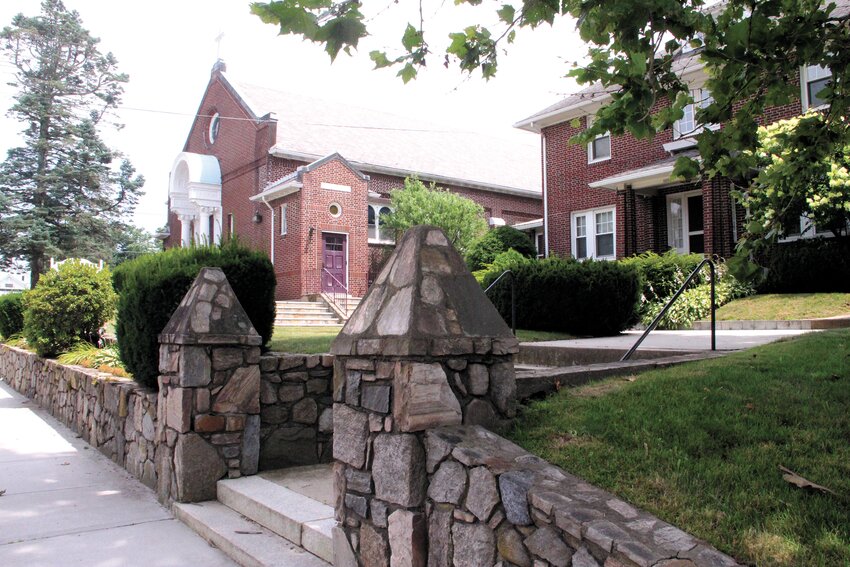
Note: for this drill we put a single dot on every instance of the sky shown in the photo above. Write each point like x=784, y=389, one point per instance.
x=169, y=47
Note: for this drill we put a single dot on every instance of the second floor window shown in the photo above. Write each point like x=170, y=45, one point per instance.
x=378, y=233
x=687, y=125
x=813, y=79
x=600, y=148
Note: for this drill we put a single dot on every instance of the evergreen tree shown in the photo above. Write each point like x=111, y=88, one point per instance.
x=64, y=192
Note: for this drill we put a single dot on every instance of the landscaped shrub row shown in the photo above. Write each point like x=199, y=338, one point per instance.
x=662, y=275
x=817, y=265
x=151, y=287
x=581, y=298
x=11, y=314
x=68, y=306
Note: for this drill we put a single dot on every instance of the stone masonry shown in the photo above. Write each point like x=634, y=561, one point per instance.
x=424, y=349
x=296, y=410
x=209, y=392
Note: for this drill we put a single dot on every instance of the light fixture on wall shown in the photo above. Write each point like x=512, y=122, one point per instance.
x=258, y=218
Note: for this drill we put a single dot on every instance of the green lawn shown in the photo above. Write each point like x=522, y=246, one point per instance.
x=315, y=340
x=700, y=446
x=784, y=307
x=305, y=340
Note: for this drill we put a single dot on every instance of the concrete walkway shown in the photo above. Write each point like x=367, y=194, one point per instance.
x=680, y=340
x=63, y=503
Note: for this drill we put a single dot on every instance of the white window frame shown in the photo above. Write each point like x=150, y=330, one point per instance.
x=808, y=229
x=591, y=157
x=231, y=225
x=376, y=208
x=808, y=75
x=284, y=225
x=686, y=232
x=701, y=99
x=591, y=234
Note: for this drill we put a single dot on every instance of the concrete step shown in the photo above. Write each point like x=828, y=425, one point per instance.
x=300, y=519
x=244, y=541
x=289, y=322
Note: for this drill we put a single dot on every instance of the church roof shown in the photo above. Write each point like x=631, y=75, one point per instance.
x=373, y=141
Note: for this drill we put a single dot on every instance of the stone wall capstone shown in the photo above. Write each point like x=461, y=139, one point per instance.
x=424, y=349
x=209, y=392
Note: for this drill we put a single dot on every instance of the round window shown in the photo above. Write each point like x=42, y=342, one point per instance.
x=335, y=210
x=215, y=124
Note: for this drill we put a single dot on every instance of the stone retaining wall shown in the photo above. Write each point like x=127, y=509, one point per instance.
x=114, y=415
x=296, y=410
x=490, y=501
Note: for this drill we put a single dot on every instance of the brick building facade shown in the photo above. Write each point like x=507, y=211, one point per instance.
x=306, y=181
x=614, y=197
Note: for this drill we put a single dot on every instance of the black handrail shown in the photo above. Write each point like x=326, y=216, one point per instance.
x=676, y=295
x=513, y=296
x=334, y=292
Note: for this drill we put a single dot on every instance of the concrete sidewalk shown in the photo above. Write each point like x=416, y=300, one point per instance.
x=679, y=340
x=66, y=504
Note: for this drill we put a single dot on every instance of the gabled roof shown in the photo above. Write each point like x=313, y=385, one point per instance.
x=378, y=142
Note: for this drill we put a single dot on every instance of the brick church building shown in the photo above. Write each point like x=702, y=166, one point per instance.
x=306, y=180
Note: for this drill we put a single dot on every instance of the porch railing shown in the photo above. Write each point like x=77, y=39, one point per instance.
x=334, y=294
x=513, y=295
x=676, y=295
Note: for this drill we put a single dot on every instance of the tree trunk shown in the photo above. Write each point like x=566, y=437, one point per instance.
x=37, y=267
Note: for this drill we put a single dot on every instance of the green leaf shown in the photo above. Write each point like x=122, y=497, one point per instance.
x=411, y=38
x=407, y=73
x=506, y=13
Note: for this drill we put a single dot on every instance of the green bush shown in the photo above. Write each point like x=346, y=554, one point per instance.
x=151, y=287
x=695, y=302
x=66, y=307
x=662, y=275
x=503, y=261
x=594, y=298
x=498, y=240
x=816, y=265
x=11, y=314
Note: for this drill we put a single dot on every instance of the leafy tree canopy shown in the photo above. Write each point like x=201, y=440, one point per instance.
x=750, y=50
x=64, y=193
x=462, y=219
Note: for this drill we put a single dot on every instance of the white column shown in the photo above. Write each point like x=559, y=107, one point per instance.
x=185, y=230
x=218, y=225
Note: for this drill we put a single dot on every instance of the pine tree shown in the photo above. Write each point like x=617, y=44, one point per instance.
x=64, y=192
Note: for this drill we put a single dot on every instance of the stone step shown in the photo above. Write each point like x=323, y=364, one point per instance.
x=300, y=519
x=244, y=541
x=289, y=322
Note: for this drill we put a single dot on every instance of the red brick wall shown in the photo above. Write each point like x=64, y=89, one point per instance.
x=512, y=208
x=568, y=174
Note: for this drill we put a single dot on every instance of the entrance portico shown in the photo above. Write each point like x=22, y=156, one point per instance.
x=195, y=195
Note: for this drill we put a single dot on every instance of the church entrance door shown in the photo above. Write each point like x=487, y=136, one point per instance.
x=334, y=263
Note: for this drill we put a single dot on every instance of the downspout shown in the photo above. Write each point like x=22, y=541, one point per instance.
x=545, y=200
x=271, y=231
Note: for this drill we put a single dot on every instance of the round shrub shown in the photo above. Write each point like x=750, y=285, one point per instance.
x=151, y=287
x=67, y=306
x=595, y=298
x=11, y=314
x=498, y=240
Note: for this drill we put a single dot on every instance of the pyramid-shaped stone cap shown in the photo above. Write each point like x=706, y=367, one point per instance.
x=210, y=314
x=425, y=302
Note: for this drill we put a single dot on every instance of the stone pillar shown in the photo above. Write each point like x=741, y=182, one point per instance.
x=209, y=393
x=426, y=348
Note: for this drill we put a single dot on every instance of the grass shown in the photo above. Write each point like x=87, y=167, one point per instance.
x=784, y=307
x=699, y=445
x=305, y=340
x=317, y=340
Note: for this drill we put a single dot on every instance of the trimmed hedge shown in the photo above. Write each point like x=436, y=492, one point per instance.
x=816, y=265
x=11, y=314
x=595, y=298
x=151, y=287
x=67, y=306
x=501, y=239
x=662, y=275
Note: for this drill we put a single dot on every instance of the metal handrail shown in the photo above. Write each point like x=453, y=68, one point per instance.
x=513, y=296
x=334, y=292
x=676, y=295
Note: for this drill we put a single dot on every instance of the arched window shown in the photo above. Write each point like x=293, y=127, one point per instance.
x=377, y=233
